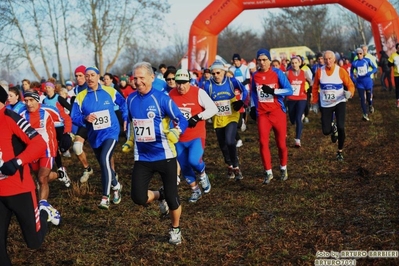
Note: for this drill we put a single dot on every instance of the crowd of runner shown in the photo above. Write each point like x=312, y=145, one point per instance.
x=161, y=115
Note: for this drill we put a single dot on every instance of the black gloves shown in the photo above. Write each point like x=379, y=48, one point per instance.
x=266, y=89
x=192, y=122
x=10, y=167
x=65, y=142
x=237, y=105
x=252, y=113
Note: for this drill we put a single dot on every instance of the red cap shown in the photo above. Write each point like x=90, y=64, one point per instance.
x=81, y=69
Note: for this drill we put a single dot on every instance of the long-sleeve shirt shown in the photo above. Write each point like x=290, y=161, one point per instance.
x=100, y=102
x=332, y=92
x=18, y=140
x=150, y=114
x=194, y=102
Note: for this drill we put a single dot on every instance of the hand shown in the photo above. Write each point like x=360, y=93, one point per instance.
x=172, y=135
x=266, y=89
x=127, y=147
x=65, y=142
x=252, y=113
x=348, y=94
x=237, y=105
x=10, y=167
x=315, y=108
x=192, y=122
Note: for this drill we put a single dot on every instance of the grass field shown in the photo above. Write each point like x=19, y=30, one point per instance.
x=325, y=205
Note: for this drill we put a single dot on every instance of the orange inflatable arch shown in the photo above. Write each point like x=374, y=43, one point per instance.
x=217, y=15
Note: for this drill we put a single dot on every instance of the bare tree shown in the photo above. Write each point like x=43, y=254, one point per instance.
x=15, y=35
x=64, y=12
x=232, y=40
x=108, y=28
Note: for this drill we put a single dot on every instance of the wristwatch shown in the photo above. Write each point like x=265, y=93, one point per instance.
x=19, y=162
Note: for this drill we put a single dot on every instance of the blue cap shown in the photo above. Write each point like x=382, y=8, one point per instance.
x=263, y=52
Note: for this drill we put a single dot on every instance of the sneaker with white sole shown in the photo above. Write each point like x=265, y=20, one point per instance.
x=175, y=236
x=117, y=194
x=230, y=172
x=268, y=178
x=53, y=215
x=163, y=207
x=63, y=176
x=195, y=196
x=243, y=126
x=104, y=204
x=206, y=185
x=365, y=117
x=237, y=173
x=66, y=154
x=283, y=174
x=239, y=143
x=86, y=174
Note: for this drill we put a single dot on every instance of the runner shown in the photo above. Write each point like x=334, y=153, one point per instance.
x=197, y=107
x=332, y=79
x=269, y=86
x=361, y=71
x=221, y=89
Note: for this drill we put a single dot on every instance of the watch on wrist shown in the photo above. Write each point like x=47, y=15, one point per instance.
x=19, y=162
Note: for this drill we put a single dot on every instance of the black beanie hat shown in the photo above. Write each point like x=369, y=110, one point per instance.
x=236, y=57
x=3, y=95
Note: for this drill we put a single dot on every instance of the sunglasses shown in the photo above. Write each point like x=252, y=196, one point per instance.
x=215, y=73
x=169, y=79
x=359, y=53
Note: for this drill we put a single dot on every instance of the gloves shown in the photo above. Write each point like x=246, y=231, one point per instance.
x=252, y=113
x=266, y=89
x=192, y=122
x=10, y=167
x=127, y=147
x=65, y=142
x=315, y=108
x=172, y=135
x=348, y=94
x=237, y=105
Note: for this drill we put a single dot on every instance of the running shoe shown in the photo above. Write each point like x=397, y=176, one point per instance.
x=268, y=178
x=63, y=177
x=67, y=154
x=196, y=195
x=371, y=109
x=283, y=174
x=163, y=207
x=334, y=133
x=86, y=175
x=53, y=215
x=175, y=236
x=206, y=185
x=117, y=194
x=297, y=143
x=340, y=157
x=306, y=120
x=243, y=126
x=237, y=174
x=230, y=172
x=104, y=204
x=239, y=143
x=365, y=117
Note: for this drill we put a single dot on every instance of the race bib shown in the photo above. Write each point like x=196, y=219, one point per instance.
x=329, y=96
x=144, y=130
x=102, y=121
x=224, y=108
x=296, y=89
x=264, y=97
x=186, y=111
x=362, y=71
